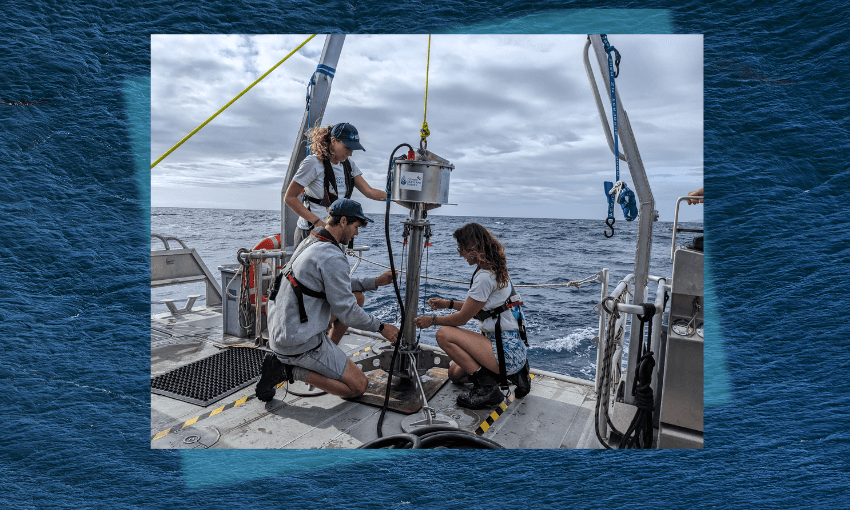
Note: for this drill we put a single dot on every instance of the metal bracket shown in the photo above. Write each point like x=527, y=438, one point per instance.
x=188, y=308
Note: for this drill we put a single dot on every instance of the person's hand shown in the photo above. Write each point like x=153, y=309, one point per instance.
x=424, y=321
x=436, y=303
x=386, y=278
x=390, y=332
x=697, y=193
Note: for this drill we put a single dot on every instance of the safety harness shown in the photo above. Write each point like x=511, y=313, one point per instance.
x=321, y=235
x=496, y=313
x=330, y=182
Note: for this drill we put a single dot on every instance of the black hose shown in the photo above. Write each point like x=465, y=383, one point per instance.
x=395, y=285
x=457, y=439
x=396, y=441
x=434, y=436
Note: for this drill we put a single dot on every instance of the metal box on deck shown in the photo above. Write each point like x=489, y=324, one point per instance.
x=231, y=285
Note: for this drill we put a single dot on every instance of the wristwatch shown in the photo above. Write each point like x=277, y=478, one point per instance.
x=381, y=328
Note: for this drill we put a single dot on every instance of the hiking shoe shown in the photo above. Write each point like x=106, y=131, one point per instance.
x=273, y=372
x=485, y=391
x=522, y=380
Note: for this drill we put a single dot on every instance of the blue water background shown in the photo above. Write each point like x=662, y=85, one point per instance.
x=75, y=306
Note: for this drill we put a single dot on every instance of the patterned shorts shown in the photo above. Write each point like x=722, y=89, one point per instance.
x=514, y=347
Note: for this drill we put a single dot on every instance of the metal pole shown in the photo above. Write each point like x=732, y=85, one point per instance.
x=318, y=102
x=414, y=266
x=646, y=210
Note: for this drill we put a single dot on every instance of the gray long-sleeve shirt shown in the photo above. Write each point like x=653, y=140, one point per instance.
x=322, y=267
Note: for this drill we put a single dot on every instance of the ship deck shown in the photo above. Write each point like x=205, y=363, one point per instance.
x=558, y=413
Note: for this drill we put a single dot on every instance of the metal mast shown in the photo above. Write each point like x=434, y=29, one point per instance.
x=324, y=76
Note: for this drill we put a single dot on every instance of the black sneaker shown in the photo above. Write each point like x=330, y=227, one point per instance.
x=522, y=380
x=273, y=372
x=485, y=391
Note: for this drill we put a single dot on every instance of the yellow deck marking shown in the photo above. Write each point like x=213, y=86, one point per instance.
x=220, y=409
x=190, y=422
x=161, y=434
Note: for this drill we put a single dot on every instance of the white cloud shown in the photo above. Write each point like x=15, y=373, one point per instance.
x=514, y=114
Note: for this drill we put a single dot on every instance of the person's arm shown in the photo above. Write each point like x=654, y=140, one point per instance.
x=338, y=292
x=468, y=309
x=294, y=202
x=368, y=191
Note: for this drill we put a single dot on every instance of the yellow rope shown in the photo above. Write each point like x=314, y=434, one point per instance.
x=424, y=132
x=230, y=103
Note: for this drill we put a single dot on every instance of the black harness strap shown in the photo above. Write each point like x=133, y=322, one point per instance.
x=322, y=235
x=330, y=183
x=496, y=313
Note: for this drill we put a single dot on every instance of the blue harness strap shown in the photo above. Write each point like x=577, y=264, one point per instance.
x=326, y=70
x=624, y=196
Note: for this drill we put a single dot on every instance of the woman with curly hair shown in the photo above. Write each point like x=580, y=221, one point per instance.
x=326, y=174
x=474, y=355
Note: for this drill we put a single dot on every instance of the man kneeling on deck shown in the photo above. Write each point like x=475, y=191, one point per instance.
x=312, y=286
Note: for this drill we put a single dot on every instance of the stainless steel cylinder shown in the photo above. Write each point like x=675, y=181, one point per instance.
x=421, y=182
x=414, y=265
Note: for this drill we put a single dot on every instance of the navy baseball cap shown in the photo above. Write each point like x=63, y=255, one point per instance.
x=347, y=134
x=348, y=207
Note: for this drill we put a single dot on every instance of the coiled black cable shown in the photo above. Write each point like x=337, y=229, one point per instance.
x=434, y=436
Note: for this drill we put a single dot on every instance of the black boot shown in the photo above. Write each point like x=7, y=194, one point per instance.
x=522, y=380
x=484, y=393
x=273, y=372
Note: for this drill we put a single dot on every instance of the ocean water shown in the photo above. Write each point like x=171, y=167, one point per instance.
x=76, y=300
x=560, y=320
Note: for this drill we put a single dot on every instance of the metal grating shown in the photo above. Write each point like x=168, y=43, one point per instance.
x=209, y=380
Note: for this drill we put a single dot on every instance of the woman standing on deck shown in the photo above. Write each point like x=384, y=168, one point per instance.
x=325, y=175
x=475, y=355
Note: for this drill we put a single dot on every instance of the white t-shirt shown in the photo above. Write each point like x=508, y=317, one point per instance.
x=485, y=288
x=311, y=175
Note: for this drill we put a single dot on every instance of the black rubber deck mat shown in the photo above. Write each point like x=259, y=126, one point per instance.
x=404, y=399
x=209, y=380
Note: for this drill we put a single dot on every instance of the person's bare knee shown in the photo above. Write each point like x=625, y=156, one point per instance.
x=355, y=380
x=443, y=337
x=360, y=298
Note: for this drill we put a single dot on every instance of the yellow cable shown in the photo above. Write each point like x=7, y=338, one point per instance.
x=230, y=103
x=424, y=132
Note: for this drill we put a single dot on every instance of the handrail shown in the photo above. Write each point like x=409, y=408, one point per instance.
x=165, y=240
x=676, y=221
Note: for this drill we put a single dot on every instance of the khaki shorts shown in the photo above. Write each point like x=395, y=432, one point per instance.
x=327, y=359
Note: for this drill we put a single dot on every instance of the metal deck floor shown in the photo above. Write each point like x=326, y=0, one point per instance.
x=556, y=414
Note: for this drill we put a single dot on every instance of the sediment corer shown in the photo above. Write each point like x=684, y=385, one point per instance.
x=421, y=179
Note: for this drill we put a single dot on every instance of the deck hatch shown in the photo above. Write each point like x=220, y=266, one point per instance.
x=209, y=380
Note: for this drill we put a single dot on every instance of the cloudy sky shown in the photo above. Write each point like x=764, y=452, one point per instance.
x=514, y=113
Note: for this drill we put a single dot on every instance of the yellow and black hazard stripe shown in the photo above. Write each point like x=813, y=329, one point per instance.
x=189, y=423
x=486, y=424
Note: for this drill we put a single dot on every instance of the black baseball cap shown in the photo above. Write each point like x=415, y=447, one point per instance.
x=347, y=134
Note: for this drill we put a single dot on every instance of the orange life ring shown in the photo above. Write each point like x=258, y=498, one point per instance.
x=269, y=243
